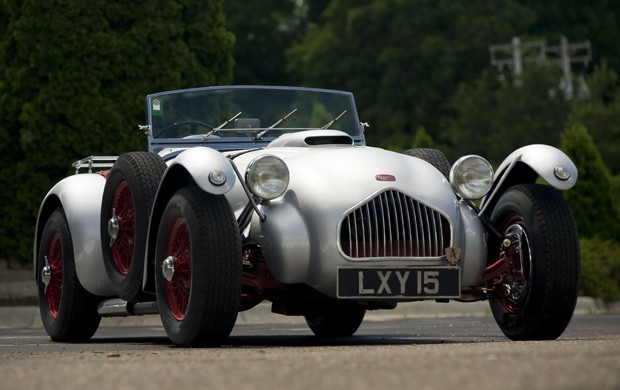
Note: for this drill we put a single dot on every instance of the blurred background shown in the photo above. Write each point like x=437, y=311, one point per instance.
x=475, y=76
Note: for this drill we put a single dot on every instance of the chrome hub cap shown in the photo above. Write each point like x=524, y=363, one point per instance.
x=167, y=268
x=515, y=287
x=114, y=227
x=46, y=274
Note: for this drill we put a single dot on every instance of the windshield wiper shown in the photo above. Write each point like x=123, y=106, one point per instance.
x=330, y=123
x=220, y=127
x=260, y=135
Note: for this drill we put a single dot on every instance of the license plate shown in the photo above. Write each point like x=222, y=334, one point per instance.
x=422, y=282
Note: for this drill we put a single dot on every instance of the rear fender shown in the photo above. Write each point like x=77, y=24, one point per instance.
x=526, y=165
x=80, y=198
x=191, y=167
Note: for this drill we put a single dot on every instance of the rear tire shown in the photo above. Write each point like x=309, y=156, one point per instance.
x=435, y=157
x=338, y=320
x=128, y=197
x=545, y=290
x=68, y=311
x=198, y=268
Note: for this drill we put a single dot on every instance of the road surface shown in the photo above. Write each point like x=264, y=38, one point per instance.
x=424, y=353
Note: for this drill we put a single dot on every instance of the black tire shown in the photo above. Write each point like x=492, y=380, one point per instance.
x=435, y=157
x=199, y=235
x=129, y=193
x=545, y=292
x=337, y=320
x=68, y=311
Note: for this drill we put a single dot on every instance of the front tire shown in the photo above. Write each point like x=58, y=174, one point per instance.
x=198, y=269
x=68, y=311
x=538, y=300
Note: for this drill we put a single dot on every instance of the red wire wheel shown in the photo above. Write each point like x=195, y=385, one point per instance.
x=124, y=245
x=178, y=289
x=53, y=292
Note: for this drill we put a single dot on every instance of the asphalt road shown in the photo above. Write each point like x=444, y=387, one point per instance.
x=422, y=353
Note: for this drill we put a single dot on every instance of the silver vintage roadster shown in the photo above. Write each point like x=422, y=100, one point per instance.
x=248, y=194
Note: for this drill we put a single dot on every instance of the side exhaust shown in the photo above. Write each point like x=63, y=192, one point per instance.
x=120, y=308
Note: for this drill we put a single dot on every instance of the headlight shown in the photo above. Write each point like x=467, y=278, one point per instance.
x=471, y=177
x=267, y=177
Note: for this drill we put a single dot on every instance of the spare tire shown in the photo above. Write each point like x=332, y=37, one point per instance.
x=435, y=157
x=128, y=197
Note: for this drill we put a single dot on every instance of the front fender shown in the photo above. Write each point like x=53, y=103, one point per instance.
x=544, y=159
x=80, y=198
x=526, y=164
x=199, y=162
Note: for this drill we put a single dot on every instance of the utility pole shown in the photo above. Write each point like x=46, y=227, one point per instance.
x=513, y=55
x=567, y=53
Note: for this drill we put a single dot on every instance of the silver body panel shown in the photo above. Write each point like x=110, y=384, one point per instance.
x=543, y=159
x=80, y=196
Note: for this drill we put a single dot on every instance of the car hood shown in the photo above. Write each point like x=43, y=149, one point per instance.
x=340, y=177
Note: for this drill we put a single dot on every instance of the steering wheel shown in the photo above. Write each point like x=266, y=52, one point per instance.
x=193, y=125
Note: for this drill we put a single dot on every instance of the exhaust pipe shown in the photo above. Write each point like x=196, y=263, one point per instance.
x=121, y=308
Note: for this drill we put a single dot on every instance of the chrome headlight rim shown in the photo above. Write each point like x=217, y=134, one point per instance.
x=267, y=177
x=471, y=177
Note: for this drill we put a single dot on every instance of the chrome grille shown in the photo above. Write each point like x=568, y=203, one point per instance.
x=394, y=225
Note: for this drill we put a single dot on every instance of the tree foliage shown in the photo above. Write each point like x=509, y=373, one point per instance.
x=594, y=20
x=600, y=268
x=264, y=31
x=422, y=139
x=498, y=113
x=74, y=77
x=592, y=199
x=403, y=58
x=601, y=114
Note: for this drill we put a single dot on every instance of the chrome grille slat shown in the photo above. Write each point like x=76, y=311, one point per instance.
x=401, y=227
x=420, y=226
x=393, y=224
x=367, y=227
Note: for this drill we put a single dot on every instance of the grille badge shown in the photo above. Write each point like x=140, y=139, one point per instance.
x=385, y=177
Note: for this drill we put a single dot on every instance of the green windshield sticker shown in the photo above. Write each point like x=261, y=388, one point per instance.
x=157, y=107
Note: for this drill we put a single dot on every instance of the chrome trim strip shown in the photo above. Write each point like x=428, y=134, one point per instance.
x=487, y=199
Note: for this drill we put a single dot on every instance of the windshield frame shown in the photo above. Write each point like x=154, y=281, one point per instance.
x=239, y=143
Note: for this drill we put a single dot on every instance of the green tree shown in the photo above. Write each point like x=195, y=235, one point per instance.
x=73, y=84
x=592, y=200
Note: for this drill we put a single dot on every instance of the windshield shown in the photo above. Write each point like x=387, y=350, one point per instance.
x=217, y=114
